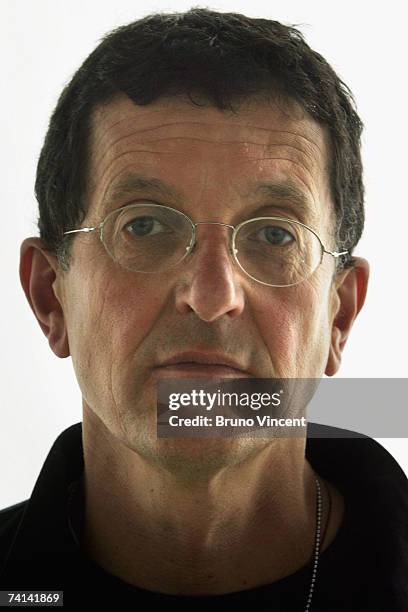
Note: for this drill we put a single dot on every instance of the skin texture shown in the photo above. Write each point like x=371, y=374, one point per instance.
x=195, y=516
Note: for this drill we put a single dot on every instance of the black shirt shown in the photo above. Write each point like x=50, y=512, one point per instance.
x=365, y=568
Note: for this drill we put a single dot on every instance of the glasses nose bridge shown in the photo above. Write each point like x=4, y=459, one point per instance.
x=214, y=223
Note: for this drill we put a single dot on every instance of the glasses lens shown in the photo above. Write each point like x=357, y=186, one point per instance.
x=277, y=252
x=147, y=238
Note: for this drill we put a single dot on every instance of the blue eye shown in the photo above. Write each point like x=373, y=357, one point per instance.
x=277, y=236
x=143, y=226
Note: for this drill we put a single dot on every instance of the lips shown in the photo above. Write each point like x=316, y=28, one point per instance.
x=205, y=364
x=196, y=369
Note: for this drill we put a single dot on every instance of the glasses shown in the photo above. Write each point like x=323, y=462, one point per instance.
x=152, y=238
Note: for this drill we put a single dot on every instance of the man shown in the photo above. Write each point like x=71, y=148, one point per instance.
x=199, y=122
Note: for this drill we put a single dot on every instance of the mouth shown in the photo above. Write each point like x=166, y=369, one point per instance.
x=194, y=369
x=198, y=362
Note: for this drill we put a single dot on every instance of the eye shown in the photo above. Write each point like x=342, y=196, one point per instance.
x=144, y=226
x=276, y=235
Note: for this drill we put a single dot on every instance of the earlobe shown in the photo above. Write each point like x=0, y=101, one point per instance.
x=38, y=273
x=351, y=289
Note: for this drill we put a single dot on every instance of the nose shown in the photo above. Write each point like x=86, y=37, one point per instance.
x=209, y=281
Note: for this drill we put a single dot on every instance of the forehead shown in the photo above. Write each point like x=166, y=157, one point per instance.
x=185, y=148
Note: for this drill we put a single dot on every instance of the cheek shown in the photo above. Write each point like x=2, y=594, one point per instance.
x=294, y=325
x=106, y=325
x=314, y=329
x=132, y=311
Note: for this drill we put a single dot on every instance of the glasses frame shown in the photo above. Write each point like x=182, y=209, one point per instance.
x=193, y=241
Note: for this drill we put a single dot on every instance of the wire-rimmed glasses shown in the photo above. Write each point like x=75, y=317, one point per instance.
x=153, y=238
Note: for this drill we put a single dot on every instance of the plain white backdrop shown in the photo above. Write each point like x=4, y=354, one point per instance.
x=42, y=44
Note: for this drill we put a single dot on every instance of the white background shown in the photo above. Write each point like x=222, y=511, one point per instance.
x=42, y=44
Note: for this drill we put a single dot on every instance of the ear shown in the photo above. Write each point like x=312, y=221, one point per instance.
x=40, y=278
x=350, y=287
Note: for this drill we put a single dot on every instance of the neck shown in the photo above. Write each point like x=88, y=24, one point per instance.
x=230, y=526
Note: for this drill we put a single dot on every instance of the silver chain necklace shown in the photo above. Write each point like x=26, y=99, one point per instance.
x=317, y=544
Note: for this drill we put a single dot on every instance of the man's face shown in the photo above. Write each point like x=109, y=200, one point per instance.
x=122, y=324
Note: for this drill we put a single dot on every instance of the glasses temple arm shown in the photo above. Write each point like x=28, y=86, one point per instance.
x=336, y=253
x=83, y=229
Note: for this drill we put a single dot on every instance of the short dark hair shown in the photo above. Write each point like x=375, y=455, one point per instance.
x=225, y=57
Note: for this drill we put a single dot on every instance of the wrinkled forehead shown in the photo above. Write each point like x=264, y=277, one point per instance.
x=264, y=122
x=262, y=137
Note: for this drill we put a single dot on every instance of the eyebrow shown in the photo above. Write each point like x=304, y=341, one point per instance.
x=286, y=190
x=133, y=183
